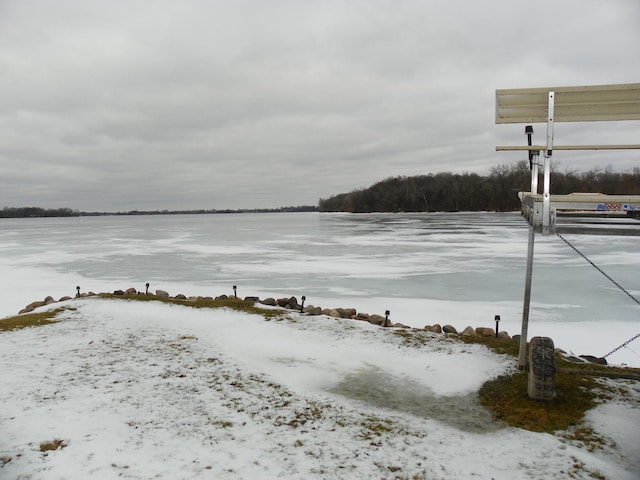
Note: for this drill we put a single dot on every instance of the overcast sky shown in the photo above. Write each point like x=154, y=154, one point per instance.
x=120, y=105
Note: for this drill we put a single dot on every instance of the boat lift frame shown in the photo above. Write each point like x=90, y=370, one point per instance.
x=563, y=104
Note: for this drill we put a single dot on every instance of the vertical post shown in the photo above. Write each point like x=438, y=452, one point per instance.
x=546, y=196
x=497, y=319
x=522, y=353
x=550, y=119
x=534, y=173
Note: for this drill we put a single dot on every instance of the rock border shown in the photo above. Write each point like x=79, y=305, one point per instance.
x=291, y=303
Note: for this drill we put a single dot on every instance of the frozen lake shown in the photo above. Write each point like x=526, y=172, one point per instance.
x=459, y=269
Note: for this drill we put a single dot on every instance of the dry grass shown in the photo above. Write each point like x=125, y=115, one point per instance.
x=31, y=319
x=507, y=398
x=230, y=302
x=52, y=445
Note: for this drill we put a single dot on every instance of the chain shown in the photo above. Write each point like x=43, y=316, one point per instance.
x=623, y=345
x=612, y=281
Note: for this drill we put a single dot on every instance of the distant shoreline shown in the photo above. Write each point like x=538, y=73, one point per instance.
x=36, y=212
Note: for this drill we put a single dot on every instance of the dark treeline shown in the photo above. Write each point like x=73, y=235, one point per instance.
x=300, y=208
x=448, y=192
x=28, y=212
x=22, y=212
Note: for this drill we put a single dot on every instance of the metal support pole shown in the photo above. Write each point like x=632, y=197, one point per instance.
x=550, y=119
x=522, y=354
x=534, y=173
x=546, y=196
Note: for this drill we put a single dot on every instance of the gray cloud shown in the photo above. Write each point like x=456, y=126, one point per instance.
x=213, y=104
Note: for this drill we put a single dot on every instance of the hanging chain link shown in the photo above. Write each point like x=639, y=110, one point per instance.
x=612, y=281
x=623, y=345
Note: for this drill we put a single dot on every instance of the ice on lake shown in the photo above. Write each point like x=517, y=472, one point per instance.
x=459, y=269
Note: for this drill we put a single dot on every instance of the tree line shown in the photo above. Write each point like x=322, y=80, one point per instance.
x=448, y=192
x=26, y=212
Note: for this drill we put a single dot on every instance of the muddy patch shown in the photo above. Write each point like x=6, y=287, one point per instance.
x=378, y=388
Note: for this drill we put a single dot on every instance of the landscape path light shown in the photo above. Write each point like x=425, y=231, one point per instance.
x=528, y=131
x=147, y=290
x=234, y=291
x=497, y=319
x=78, y=290
x=386, y=317
x=302, y=306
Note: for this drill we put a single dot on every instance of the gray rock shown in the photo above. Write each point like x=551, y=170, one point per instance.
x=293, y=304
x=347, y=312
x=485, y=332
x=269, y=301
x=180, y=296
x=449, y=329
x=311, y=310
x=282, y=302
x=593, y=359
x=377, y=319
x=469, y=332
x=162, y=293
x=131, y=291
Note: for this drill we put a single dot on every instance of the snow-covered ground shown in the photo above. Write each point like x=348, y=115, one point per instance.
x=150, y=390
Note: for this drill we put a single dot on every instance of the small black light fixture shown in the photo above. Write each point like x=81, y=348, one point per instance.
x=147, y=290
x=497, y=319
x=302, y=306
x=235, y=294
x=386, y=317
x=78, y=290
x=528, y=131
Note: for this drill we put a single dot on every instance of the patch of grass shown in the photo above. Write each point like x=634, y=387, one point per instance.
x=223, y=424
x=507, y=398
x=374, y=426
x=52, y=445
x=587, y=437
x=31, y=319
x=414, y=338
x=595, y=369
x=503, y=346
x=230, y=302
